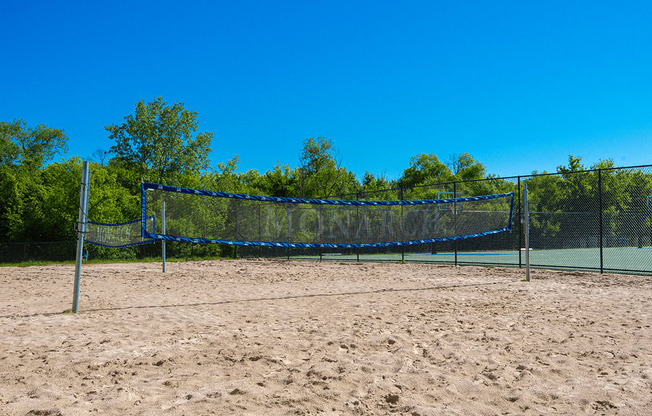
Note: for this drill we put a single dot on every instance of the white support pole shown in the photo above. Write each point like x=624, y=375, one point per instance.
x=163, y=232
x=526, y=230
x=81, y=231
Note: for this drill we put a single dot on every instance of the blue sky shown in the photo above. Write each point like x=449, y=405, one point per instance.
x=519, y=85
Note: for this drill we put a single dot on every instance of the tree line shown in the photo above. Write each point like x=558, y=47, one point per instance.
x=161, y=143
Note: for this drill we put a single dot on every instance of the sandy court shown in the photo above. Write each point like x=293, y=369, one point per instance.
x=305, y=338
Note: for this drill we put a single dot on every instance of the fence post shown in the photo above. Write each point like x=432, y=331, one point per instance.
x=526, y=228
x=357, y=217
x=520, y=223
x=600, y=220
x=455, y=219
x=402, y=225
x=260, y=233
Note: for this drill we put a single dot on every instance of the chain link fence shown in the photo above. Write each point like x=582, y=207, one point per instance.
x=593, y=220
x=37, y=251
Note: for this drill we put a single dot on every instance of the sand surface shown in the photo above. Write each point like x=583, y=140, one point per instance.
x=268, y=337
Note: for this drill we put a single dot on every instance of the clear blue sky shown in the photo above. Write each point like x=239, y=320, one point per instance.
x=520, y=85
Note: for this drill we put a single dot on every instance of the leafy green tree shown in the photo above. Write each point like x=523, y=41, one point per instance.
x=157, y=141
x=12, y=203
x=31, y=214
x=473, y=178
x=23, y=152
x=425, y=169
x=225, y=179
x=371, y=182
x=109, y=200
x=29, y=147
x=60, y=200
x=544, y=193
x=379, y=188
x=574, y=165
x=28, y=224
x=8, y=149
x=320, y=174
x=100, y=155
x=465, y=168
x=279, y=181
x=579, y=189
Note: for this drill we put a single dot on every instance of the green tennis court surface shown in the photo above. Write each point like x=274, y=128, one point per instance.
x=613, y=258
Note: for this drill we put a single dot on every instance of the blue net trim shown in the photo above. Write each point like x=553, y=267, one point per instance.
x=201, y=192
x=321, y=245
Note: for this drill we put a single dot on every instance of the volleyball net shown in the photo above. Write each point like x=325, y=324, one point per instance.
x=201, y=216
x=125, y=234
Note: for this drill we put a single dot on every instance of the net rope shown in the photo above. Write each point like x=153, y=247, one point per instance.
x=201, y=216
x=125, y=234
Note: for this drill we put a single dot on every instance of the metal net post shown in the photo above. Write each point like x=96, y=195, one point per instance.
x=81, y=231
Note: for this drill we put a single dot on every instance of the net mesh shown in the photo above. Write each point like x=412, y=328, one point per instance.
x=200, y=216
x=124, y=234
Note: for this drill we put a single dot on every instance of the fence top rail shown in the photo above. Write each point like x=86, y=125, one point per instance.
x=496, y=178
